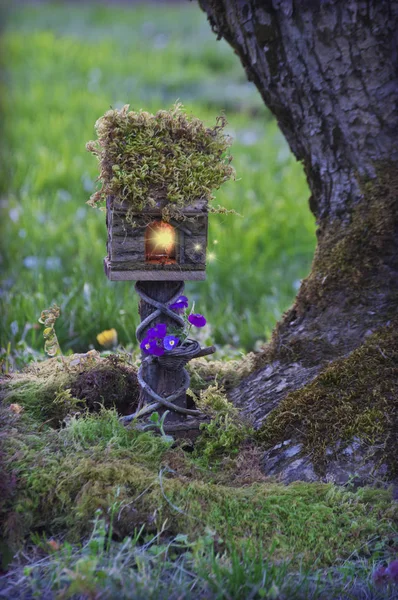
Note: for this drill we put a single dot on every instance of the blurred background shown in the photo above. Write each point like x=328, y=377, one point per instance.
x=63, y=66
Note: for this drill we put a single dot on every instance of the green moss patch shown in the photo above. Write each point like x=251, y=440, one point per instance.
x=226, y=373
x=356, y=396
x=57, y=478
x=352, y=286
x=168, y=157
x=361, y=253
x=53, y=389
x=62, y=477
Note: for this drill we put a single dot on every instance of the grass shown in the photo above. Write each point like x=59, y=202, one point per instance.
x=203, y=524
x=165, y=527
x=175, y=569
x=62, y=476
x=65, y=66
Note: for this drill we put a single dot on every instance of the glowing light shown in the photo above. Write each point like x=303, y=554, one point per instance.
x=215, y=242
x=164, y=238
x=160, y=242
x=211, y=257
x=197, y=247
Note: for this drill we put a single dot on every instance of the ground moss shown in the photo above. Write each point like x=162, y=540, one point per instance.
x=57, y=478
x=110, y=384
x=37, y=389
x=226, y=373
x=168, y=156
x=63, y=476
x=355, y=396
x=226, y=432
x=53, y=389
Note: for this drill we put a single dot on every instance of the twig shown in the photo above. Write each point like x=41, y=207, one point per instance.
x=139, y=413
x=205, y=351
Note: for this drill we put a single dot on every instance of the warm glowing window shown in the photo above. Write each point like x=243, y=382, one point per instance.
x=160, y=243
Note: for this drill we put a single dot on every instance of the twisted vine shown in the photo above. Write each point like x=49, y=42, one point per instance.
x=182, y=355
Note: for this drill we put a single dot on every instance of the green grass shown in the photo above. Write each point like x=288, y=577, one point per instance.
x=62, y=477
x=155, y=568
x=65, y=65
x=186, y=531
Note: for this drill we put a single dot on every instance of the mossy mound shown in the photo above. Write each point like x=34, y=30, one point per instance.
x=56, y=388
x=63, y=476
x=167, y=157
x=110, y=384
x=354, y=397
x=37, y=388
x=55, y=479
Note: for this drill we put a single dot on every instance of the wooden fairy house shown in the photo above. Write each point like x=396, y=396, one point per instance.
x=154, y=249
x=157, y=174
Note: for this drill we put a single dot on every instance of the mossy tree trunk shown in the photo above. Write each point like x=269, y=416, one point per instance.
x=328, y=72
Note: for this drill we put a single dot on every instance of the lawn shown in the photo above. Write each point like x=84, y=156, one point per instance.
x=64, y=67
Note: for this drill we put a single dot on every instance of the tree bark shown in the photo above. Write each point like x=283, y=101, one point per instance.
x=327, y=70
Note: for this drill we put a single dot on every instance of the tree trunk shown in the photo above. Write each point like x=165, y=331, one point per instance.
x=328, y=72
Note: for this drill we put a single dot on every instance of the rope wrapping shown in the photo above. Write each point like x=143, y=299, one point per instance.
x=173, y=361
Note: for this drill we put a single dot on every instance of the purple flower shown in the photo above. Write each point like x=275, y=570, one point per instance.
x=197, y=320
x=156, y=349
x=180, y=304
x=159, y=331
x=145, y=344
x=152, y=346
x=170, y=342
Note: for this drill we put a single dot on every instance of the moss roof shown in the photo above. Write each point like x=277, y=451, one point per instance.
x=169, y=156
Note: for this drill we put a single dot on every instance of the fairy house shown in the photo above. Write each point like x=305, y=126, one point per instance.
x=157, y=173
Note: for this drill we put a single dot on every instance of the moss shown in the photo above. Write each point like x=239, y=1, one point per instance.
x=169, y=157
x=224, y=435
x=63, y=476
x=55, y=388
x=7, y=479
x=355, y=396
x=360, y=253
x=109, y=384
x=352, y=286
x=226, y=373
x=38, y=390
x=58, y=478
x=48, y=465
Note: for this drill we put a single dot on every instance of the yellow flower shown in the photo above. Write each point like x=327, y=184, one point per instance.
x=107, y=338
x=16, y=408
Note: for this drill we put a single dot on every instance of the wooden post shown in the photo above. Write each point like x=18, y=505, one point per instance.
x=162, y=381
